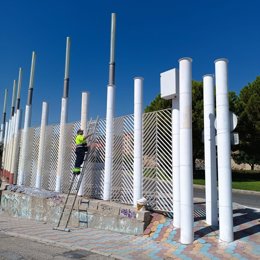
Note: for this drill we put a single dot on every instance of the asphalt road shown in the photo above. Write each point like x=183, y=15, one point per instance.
x=15, y=248
x=251, y=200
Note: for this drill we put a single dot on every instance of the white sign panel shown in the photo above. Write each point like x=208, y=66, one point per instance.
x=169, y=82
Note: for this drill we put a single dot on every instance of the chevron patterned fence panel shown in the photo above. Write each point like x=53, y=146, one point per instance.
x=157, y=159
x=94, y=168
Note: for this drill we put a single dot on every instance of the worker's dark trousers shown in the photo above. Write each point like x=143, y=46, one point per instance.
x=80, y=154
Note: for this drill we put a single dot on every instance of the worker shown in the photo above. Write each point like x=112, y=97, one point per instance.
x=81, y=149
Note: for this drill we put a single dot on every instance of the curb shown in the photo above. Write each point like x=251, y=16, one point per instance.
x=250, y=192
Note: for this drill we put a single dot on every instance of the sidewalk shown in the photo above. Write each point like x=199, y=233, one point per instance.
x=160, y=240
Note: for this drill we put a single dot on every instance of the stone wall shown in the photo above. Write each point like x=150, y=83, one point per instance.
x=89, y=213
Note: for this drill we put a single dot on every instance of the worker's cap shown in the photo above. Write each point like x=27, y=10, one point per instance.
x=80, y=131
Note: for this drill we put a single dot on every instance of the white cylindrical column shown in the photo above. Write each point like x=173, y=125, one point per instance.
x=15, y=152
x=110, y=113
x=84, y=111
x=186, y=168
x=62, y=143
x=109, y=141
x=176, y=160
x=83, y=123
x=25, y=142
x=8, y=146
x=44, y=122
x=5, y=147
x=11, y=142
x=63, y=118
x=138, y=139
x=210, y=151
x=224, y=152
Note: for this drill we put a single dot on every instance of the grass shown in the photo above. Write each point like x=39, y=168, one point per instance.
x=242, y=180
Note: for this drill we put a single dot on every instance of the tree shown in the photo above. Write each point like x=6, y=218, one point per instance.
x=248, y=127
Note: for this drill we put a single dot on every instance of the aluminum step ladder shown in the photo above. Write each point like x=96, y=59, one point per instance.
x=92, y=130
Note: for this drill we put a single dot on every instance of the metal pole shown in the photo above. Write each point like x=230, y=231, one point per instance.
x=110, y=115
x=138, y=139
x=30, y=90
x=13, y=99
x=224, y=152
x=186, y=169
x=4, y=118
x=67, y=69
x=27, y=124
x=112, y=51
x=19, y=89
x=83, y=122
x=210, y=151
x=63, y=119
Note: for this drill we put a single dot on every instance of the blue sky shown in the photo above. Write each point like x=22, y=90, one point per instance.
x=150, y=38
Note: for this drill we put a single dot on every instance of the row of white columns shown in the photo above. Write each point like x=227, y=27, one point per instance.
x=182, y=153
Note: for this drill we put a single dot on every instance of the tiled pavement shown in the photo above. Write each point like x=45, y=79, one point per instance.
x=160, y=239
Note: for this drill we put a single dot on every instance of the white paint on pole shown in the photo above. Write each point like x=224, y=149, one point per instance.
x=210, y=151
x=11, y=142
x=176, y=157
x=84, y=111
x=109, y=142
x=62, y=143
x=224, y=152
x=5, y=146
x=83, y=123
x=8, y=144
x=15, y=152
x=42, y=152
x=186, y=169
x=138, y=139
x=24, y=147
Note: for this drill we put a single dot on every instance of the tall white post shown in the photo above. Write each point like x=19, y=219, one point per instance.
x=176, y=159
x=62, y=142
x=42, y=152
x=110, y=114
x=25, y=142
x=83, y=123
x=210, y=151
x=186, y=169
x=224, y=152
x=27, y=124
x=15, y=152
x=138, y=139
x=10, y=144
x=63, y=119
x=5, y=147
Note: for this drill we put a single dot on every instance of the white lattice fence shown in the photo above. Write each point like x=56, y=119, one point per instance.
x=157, y=163
x=94, y=169
x=157, y=160
x=123, y=158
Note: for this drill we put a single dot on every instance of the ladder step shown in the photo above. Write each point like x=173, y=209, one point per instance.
x=62, y=229
x=81, y=221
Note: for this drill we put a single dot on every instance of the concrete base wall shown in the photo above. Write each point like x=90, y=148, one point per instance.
x=87, y=212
